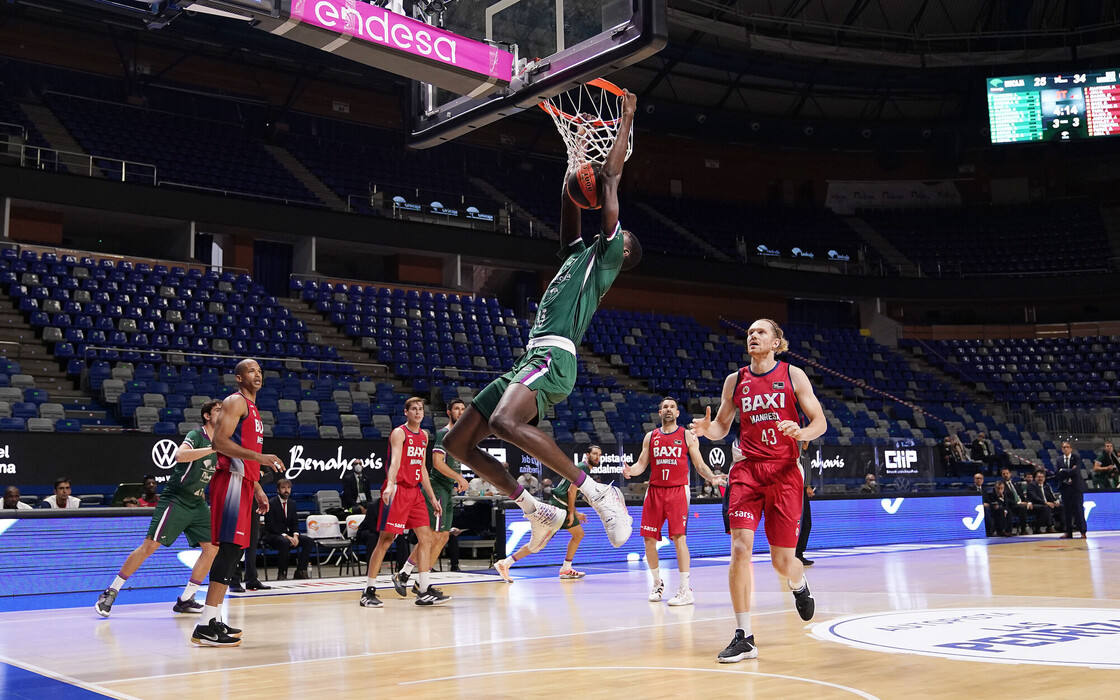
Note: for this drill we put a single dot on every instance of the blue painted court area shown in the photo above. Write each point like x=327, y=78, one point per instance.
x=53, y=601
x=20, y=684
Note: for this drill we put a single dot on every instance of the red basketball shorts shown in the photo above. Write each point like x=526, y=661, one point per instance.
x=406, y=511
x=770, y=488
x=665, y=503
x=231, y=508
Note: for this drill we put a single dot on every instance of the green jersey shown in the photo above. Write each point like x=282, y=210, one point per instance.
x=560, y=490
x=439, y=481
x=188, y=479
x=574, y=294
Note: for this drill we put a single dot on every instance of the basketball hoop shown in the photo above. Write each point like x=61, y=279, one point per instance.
x=587, y=117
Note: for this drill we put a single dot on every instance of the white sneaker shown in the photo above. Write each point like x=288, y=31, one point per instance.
x=611, y=507
x=502, y=567
x=657, y=591
x=683, y=597
x=546, y=520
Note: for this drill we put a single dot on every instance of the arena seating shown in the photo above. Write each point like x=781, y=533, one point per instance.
x=1020, y=239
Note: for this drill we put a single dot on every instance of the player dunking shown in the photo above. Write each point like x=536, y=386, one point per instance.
x=443, y=472
x=666, y=450
x=181, y=509
x=402, y=508
x=765, y=395
x=563, y=497
x=510, y=406
x=239, y=441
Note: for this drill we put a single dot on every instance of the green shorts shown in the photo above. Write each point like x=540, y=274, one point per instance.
x=563, y=505
x=549, y=371
x=173, y=518
x=444, y=497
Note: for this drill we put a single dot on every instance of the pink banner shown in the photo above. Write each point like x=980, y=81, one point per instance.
x=380, y=26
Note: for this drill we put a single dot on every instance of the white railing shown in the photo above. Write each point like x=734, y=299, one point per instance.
x=236, y=193
x=10, y=128
x=54, y=160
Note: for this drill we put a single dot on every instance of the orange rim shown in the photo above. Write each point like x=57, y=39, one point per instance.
x=601, y=83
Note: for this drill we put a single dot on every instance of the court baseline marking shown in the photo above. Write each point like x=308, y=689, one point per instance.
x=853, y=691
x=84, y=685
x=439, y=648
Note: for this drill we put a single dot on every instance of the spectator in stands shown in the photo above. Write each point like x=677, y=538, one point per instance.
x=1020, y=508
x=355, y=487
x=869, y=484
x=952, y=454
x=977, y=484
x=1106, y=468
x=1072, y=487
x=997, y=508
x=148, y=499
x=61, y=497
x=1036, y=497
x=281, y=531
x=130, y=502
x=11, y=500
x=530, y=483
x=546, y=487
x=1052, y=500
x=982, y=450
x=480, y=487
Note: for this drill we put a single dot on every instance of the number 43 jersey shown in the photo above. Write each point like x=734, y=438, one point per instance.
x=763, y=401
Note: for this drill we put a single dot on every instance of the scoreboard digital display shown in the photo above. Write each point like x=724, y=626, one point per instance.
x=1054, y=107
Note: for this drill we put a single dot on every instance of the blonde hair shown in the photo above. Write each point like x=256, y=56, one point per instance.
x=783, y=344
x=411, y=400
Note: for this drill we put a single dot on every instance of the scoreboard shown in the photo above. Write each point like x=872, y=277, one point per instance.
x=1054, y=107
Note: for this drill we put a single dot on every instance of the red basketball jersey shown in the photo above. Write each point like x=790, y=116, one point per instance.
x=668, y=458
x=764, y=400
x=412, y=456
x=249, y=433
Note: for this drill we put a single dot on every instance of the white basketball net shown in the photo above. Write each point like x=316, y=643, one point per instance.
x=587, y=118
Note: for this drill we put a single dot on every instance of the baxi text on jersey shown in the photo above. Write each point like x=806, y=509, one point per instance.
x=412, y=451
x=668, y=451
x=760, y=401
x=297, y=463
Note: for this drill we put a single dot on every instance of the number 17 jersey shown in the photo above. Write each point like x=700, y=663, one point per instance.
x=763, y=401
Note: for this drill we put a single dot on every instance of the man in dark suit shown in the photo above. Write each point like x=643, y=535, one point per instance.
x=355, y=488
x=1071, y=485
x=281, y=527
x=997, y=508
x=977, y=488
x=1036, y=494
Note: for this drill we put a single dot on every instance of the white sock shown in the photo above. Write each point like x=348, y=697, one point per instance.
x=189, y=591
x=509, y=561
x=684, y=579
x=371, y=582
x=655, y=572
x=743, y=622
x=800, y=585
x=567, y=565
x=210, y=612
x=424, y=581
x=591, y=488
x=526, y=503
x=408, y=567
x=117, y=583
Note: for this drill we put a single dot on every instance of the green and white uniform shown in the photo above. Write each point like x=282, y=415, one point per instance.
x=549, y=363
x=559, y=497
x=442, y=487
x=182, y=504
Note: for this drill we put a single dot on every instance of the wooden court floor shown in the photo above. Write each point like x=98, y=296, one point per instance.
x=598, y=637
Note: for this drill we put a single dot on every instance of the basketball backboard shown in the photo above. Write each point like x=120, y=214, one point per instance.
x=556, y=44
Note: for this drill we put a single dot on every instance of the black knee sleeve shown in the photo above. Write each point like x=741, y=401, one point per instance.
x=225, y=563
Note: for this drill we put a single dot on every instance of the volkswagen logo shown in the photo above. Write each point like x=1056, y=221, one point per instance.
x=163, y=454
x=716, y=458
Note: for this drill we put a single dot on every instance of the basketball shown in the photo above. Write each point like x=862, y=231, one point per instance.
x=583, y=187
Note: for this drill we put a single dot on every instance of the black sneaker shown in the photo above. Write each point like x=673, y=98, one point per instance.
x=236, y=587
x=432, y=596
x=257, y=586
x=416, y=590
x=301, y=574
x=212, y=635
x=226, y=629
x=400, y=584
x=805, y=562
x=187, y=606
x=370, y=599
x=804, y=603
x=105, y=602
x=741, y=647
